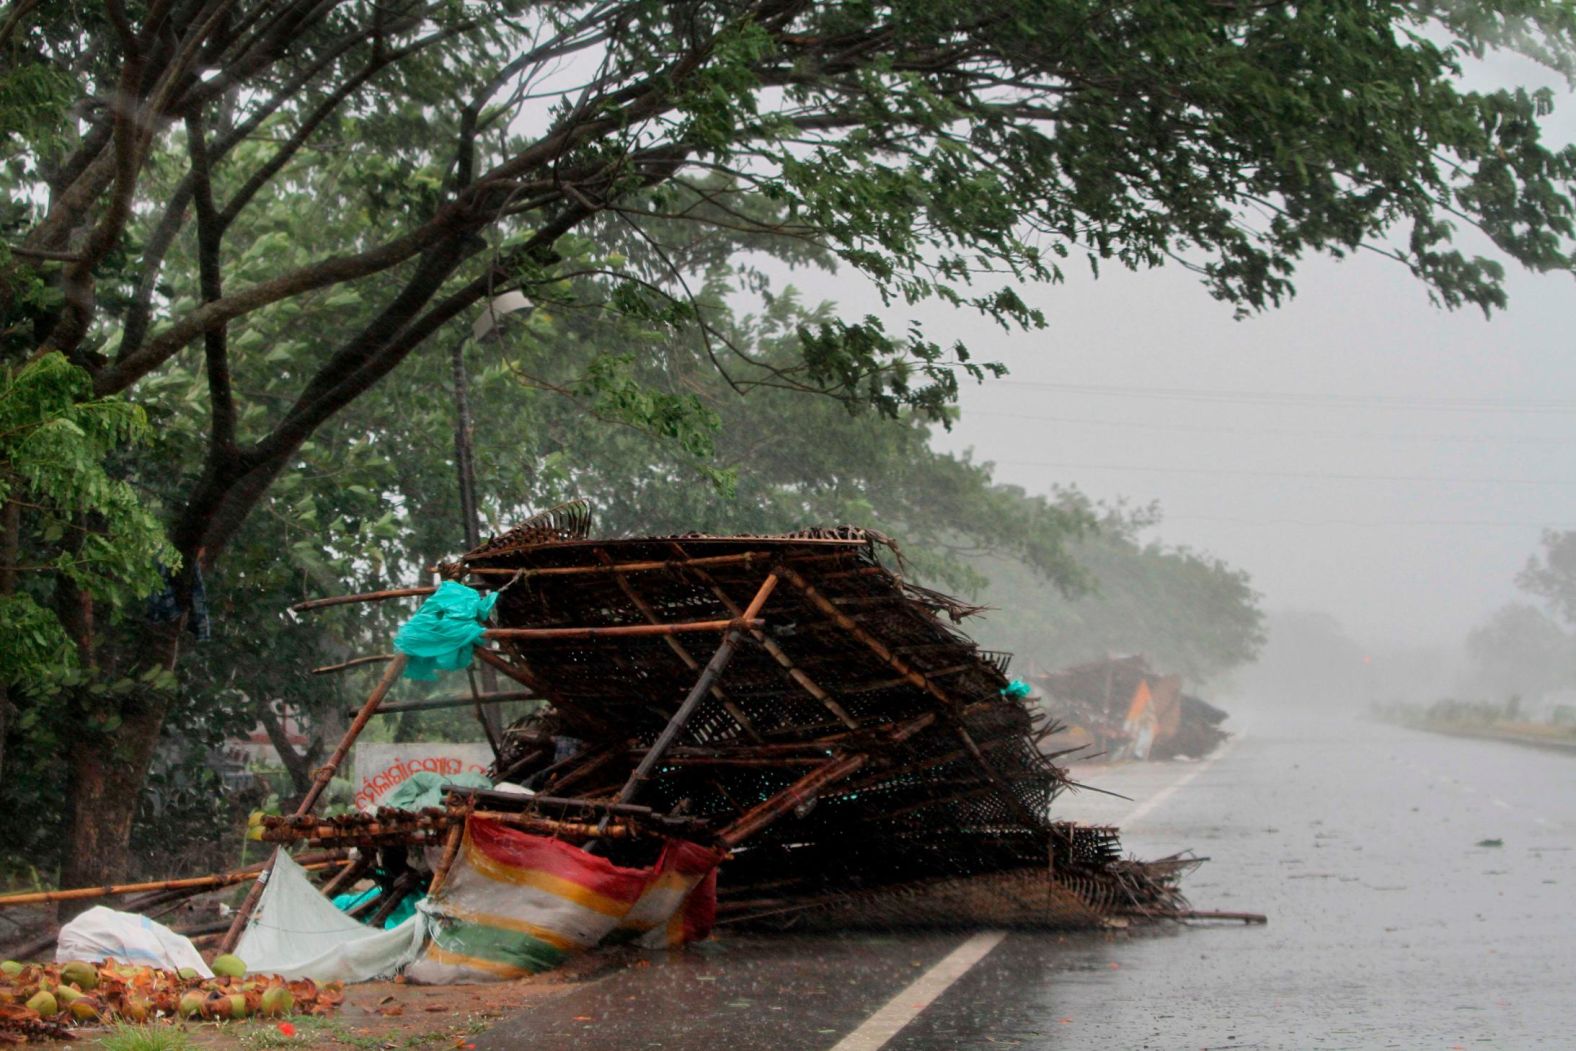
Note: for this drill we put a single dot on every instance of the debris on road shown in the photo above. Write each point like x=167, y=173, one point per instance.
x=1117, y=708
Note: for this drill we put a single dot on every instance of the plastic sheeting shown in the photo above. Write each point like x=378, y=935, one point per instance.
x=425, y=789
x=297, y=933
x=516, y=904
x=102, y=933
x=440, y=636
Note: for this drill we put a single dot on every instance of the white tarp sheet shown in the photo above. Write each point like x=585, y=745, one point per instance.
x=297, y=933
x=102, y=933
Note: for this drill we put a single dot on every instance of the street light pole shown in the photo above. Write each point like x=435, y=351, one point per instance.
x=464, y=464
x=485, y=328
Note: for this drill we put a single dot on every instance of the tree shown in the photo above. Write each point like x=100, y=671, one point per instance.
x=73, y=535
x=1551, y=575
x=1520, y=652
x=950, y=151
x=1187, y=612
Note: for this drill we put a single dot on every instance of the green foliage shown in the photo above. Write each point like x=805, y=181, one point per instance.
x=78, y=521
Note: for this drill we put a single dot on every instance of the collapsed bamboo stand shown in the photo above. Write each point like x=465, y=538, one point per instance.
x=836, y=709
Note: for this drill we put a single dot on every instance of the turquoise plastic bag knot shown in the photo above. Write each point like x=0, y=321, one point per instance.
x=440, y=636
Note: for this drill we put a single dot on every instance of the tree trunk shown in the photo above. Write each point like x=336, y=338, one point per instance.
x=297, y=764
x=108, y=772
x=10, y=558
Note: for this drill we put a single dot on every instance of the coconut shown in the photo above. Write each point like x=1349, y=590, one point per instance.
x=277, y=1001
x=67, y=995
x=190, y=1005
x=136, y=1009
x=44, y=1003
x=237, y=1005
x=85, y=1008
x=10, y=968
x=82, y=975
x=186, y=974
x=228, y=966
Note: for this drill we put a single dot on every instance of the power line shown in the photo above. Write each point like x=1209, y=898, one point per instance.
x=1346, y=401
x=1402, y=522
x=1301, y=475
x=1259, y=431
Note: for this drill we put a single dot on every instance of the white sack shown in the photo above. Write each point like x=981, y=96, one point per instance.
x=102, y=933
x=298, y=933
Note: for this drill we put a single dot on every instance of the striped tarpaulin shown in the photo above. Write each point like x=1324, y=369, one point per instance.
x=515, y=904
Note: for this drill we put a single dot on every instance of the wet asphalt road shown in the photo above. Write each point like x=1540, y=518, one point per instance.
x=1390, y=927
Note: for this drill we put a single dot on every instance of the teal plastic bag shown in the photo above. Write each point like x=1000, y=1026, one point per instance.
x=440, y=636
x=425, y=788
x=402, y=912
x=1015, y=690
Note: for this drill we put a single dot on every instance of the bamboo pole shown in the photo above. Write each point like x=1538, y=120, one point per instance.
x=451, y=851
x=671, y=565
x=392, y=833
x=532, y=756
x=191, y=883
x=325, y=773
x=556, y=828
x=453, y=702
x=1245, y=917
x=365, y=596
x=488, y=795
x=618, y=631
x=389, y=900
x=777, y=653
x=481, y=712
x=810, y=786
x=356, y=662
x=903, y=668
x=391, y=676
x=784, y=763
x=524, y=678
x=702, y=687
x=348, y=876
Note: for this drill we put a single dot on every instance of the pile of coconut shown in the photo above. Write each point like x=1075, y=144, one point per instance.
x=44, y=1000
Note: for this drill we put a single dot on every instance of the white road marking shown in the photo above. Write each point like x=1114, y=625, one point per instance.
x=1167, y=792
x=903, y=1008
x=879, y=1029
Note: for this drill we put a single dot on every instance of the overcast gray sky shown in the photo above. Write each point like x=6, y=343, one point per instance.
x=1359, y=451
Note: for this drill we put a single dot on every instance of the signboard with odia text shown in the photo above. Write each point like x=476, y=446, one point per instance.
x=381, y=768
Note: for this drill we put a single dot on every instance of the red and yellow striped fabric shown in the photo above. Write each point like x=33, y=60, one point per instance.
x=515, y=904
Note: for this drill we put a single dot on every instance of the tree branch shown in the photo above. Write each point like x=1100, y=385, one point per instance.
x=210, y=235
